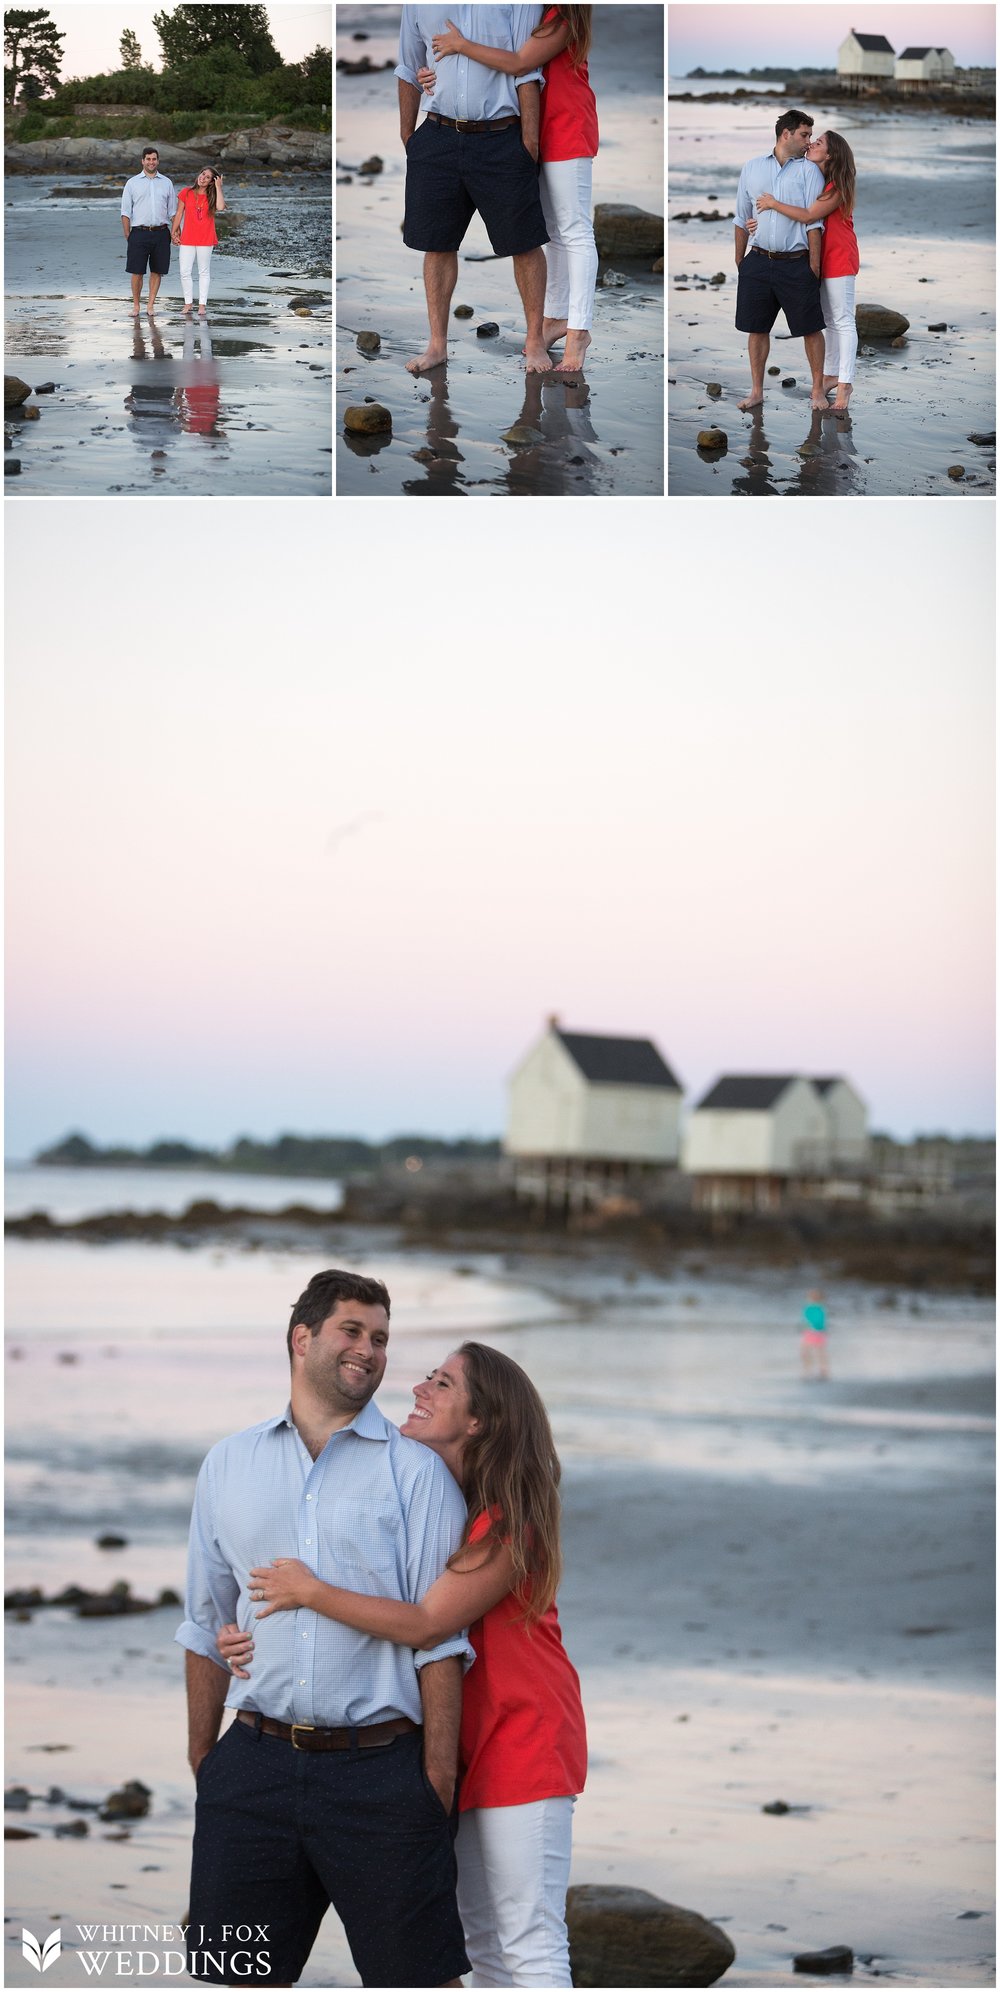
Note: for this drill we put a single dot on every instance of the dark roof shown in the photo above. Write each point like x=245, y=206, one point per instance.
x=873, y=42
x=916, y=54
x=747, y=1091
x=824, y=1085
x=618, y=1061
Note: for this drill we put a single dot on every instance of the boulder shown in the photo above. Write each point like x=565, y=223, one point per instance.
x=14, y=391
x=877, y=321
x=627, y=231
x=370, y=420
x=712, y=439
x=626, y=1936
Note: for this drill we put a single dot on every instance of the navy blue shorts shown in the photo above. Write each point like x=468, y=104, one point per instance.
x=452, y=175
x=148, y=248
x=281, y=1833
x=765, y=287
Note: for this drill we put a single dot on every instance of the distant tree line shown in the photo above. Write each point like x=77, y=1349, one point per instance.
x=289, y=1155
x=216, y=60
x=783, y=75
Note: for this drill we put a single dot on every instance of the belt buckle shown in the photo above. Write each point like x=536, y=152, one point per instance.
x=459, y=122
x=301, y=1725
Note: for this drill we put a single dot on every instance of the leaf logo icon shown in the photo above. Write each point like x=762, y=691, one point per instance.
x=41, y=1955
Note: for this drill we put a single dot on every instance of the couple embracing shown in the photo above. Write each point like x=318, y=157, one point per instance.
x=510, y=132
x=378, y=1608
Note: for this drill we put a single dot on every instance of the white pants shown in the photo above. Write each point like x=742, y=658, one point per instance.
x=571, y=252
x=513, y=1871
x=840, y=328
x=186, y=258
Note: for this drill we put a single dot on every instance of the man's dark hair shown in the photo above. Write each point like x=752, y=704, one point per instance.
x=148, y=150
x=790, y=121
x=323, y=1293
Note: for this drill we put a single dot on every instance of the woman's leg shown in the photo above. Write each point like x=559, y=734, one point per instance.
x=185, y=258
x=556, y=265
x=524, y=1852
x=204, y=276
x=570, y=195
x=842, y=296
x=831, y=336
x=475, y=1906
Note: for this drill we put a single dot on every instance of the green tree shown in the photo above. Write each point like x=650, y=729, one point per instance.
x=130, y=51
x=32, y=46
x=191, y=31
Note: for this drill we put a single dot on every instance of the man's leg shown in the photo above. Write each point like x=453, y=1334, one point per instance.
x=530, y=276
x=136, y=283
x=440, y=278
x=815, y=353
x=154, y=285
x=759, y=345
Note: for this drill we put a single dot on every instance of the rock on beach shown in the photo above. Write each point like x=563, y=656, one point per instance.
x=621, y=230
x=627, y=1936
x=878, y=321
x=14, y=391
x=369, y=342
x=370, y=420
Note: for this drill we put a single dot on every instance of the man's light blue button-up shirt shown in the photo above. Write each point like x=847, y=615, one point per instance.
x=148, y=202
x=375, y=1513
x=799, y=183
x=466, y=89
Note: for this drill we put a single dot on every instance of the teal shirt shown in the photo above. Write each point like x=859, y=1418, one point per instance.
x=814, y=1317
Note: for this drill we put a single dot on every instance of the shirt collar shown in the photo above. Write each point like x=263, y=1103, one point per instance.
x=369, y=1423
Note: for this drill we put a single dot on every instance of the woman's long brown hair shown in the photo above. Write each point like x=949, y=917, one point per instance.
x=510, y=1471
x=209, y=191
x=841, y=170
x=579, y=20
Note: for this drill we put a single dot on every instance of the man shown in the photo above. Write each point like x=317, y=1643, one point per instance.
x=477, y=150
x=781, y=271
x=325, y=1788
x=148, y=206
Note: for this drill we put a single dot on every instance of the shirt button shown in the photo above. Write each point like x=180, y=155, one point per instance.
x=308, y=1497
x=309, y=1542
x=301, y=1684
x=305, y=1635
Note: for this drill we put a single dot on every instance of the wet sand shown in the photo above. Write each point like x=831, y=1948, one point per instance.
x=774, y=1589
x=235, y=403
x=926, y=234
x=603, y=437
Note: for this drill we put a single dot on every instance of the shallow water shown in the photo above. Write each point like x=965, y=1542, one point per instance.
x=236, y=402
x=604, y=437
x=925, y=227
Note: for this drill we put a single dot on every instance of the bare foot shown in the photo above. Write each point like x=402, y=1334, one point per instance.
x=576, y=349
x=819, y=399
x=536, y=359
x=203, y=311
x=844, y=393
x=554, y=329
x=435, y=356
x=135, y=311
x=752, y=401
x=829, y=383
x=186, y=313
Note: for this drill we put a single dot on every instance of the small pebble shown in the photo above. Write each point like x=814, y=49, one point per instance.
x=714, y=388
x=369, y=342
x=956, y=471
x=488, y=331
x=789, y=381
x=937, y=328
x=463, y=311
x=774, y=370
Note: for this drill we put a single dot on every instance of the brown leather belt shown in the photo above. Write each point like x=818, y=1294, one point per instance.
x=463, y=124
x=305, y=1735
x=780, y=255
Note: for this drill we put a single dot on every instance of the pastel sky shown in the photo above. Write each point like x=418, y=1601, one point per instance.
x=744, y=36
x=314, y=835
x=93, y=32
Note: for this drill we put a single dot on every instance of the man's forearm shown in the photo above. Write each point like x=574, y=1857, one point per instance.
x=815, y=250
x=441, y=1699
x=409, y=105
x=207, y=1688
x=742, y=238
x=126, y=225
x=529, y=96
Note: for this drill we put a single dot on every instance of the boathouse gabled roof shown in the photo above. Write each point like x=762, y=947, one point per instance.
x=874, y=43
x=746, y=1092
x=916, y=54
x=618, y=1061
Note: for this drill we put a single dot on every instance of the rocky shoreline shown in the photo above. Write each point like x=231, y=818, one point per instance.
x=936, y=103
x=275, y=146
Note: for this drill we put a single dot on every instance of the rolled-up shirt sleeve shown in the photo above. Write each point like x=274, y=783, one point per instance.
x=435, y=1521
x=127, y=200
x=744, y=204
x=212, y=1592
x=412, y=49
x=524, y=22
x=171, y=201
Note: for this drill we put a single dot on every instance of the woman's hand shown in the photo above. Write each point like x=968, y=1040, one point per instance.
x=453, y=43
x=285, y=1584
x=765, y=201
x=427, y=80
x=751, y=226
x=236, y=1649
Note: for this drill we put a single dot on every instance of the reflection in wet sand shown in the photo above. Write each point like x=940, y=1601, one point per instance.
x=824, y=462
x=547, y=439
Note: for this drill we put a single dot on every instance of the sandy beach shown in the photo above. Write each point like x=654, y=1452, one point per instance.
x=774, y=1589
x=603, y=438
x=235, y=403
x=926, y=232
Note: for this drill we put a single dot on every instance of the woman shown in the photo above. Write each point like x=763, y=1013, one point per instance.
x=568, y=142
x=523, y=1741
x=194, y=233
x=840, y=265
